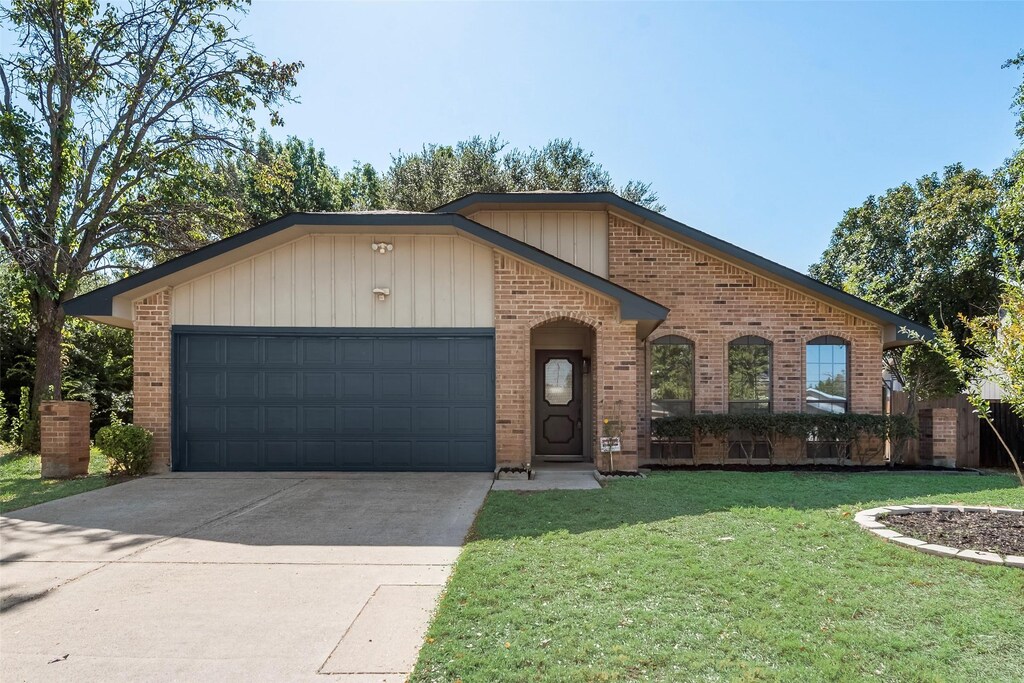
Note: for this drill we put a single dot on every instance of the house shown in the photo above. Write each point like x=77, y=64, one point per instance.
x=498, y=330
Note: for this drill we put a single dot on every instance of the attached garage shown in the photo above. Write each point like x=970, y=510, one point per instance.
x=316, y=399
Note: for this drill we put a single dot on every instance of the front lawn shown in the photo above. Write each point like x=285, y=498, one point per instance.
x=20, y=485
x=724, y=576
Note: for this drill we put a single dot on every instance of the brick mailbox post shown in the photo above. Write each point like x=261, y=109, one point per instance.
x=64, y=438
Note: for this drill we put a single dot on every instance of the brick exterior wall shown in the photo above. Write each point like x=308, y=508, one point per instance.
x=713, y=302
x=526, y=297
x=64, y=438
x=152, y=379
x=938, y=436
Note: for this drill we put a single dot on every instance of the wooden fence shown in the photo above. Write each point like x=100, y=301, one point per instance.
x=1011, y=428
x=968, y=444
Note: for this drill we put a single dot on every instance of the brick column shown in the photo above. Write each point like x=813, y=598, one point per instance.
x=151, y=318
x=616, y=382
x=64, y=438
x=938, y=428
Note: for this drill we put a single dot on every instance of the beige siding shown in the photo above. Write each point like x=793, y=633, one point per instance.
x=328, y=281
x=579, y=237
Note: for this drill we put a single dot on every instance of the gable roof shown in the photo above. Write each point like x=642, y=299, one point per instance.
x=99, y=303
x=649, y=218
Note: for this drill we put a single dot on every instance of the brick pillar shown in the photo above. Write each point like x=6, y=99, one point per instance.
x=152, y=379
x=615, y=382
x=938, y=436
x=64, y=438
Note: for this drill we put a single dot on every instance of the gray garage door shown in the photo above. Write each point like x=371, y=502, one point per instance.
x=338, y=400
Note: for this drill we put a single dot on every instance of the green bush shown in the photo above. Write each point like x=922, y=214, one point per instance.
x=128, y=448
x=849, y=430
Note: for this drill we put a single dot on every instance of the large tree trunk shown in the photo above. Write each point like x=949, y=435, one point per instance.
x=49, y=327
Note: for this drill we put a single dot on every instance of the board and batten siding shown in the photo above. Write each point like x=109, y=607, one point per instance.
x=579, y=237
x=328, y=281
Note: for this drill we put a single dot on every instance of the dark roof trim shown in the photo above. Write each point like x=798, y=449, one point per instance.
x=632, y=306
x=613, y=200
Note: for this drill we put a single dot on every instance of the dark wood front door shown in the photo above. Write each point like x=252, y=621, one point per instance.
x=558, y=397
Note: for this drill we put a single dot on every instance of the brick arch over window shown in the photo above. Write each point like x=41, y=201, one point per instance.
x=570, y=316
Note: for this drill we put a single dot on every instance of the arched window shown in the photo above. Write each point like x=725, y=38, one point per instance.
x=750, y=375
x=671, y=377
x=828, y=370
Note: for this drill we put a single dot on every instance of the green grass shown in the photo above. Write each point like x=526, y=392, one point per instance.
x=20, y=485
x=724, y=576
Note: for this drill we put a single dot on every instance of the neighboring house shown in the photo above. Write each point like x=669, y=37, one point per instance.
x=500, y=329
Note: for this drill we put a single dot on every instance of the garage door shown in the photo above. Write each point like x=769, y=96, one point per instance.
x=311, y=400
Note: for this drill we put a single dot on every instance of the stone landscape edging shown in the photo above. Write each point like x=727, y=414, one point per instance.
x=868, y=520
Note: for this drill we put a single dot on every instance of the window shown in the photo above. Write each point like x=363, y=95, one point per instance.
x=671, y=377
x=750, y=375
x=558, y=382
x=827, y=390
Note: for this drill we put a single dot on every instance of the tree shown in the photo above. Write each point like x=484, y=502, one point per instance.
x=270, y=179
x=99, y=106
x=424, y=180
x=994, y=346
x=923, y=250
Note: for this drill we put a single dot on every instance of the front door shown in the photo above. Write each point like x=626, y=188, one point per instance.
x=558, y=416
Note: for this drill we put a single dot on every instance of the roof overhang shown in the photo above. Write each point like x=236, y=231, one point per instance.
x=896, y=330
x=112, y=304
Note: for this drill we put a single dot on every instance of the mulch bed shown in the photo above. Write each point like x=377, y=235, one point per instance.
x=989, y=531
x=814, y=469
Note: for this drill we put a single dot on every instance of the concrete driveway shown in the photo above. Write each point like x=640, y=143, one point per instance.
x=273, y=577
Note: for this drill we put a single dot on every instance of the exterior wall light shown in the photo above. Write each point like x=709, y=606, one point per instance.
x=382, y=292
x=382, y=247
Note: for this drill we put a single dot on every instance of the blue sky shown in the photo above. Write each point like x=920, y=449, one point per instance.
x=759, y=123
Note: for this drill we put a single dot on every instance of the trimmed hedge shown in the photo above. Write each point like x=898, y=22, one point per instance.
x=848, y=430
x=128, y=448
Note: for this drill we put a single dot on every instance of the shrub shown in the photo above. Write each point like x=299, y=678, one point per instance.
x=848, y=430
x=128, y=448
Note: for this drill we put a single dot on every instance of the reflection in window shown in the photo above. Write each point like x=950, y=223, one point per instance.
x=750, y=373
x=671, y=377
x=558, y=382
x=827, y=390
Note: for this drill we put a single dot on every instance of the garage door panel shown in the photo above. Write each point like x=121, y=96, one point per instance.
x=473, y=420
x=318, y=385
x=318, y=454
x=278, y=419
x=242, y=419
x=241, y=454
x=393, y=454
x=432, y=386
x=473, y=385
x=280, y=350
x=202, y=419
x=432, y=419
x=432, y=352
x=356, y=418
x=242, y=350
x=280, y=384
x=205, y=384
x=355, y=454
x=357, y=385
x=348, y=401
x=392, y=420
x=356, y=352
x=243, y=384
x=204, y=454
x=319, y=351
x=319, y=419
x=208, y=350
x=284, y=454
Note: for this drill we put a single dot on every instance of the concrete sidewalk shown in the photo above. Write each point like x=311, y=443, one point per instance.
x=231, y=577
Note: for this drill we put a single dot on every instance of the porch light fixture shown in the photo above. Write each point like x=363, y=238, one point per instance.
x=382, y=292
x=382, y=247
